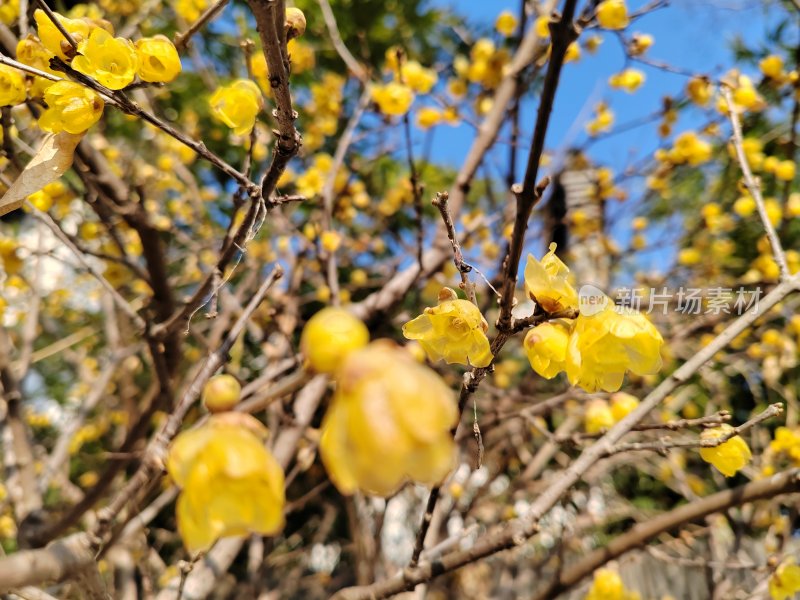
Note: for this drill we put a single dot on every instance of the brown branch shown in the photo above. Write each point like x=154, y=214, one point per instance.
x=182, y=39
x=336, y=39
x=753, y=186
x=783, y=483
x=464, y=268
x=562, y=32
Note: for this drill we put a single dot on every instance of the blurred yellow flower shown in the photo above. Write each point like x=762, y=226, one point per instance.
x=729, y=457
x=772, y=66
x=9, y=11
x=70, y=107
x=231, y=484
x=640, y=43
x=784, y=583
x=12, y=86
x=393, y=98
x=31, y=51
x=428, y=117
x=605, y=345
x=597, y=416
x=389, y=420
x=330, y=336
x=629, y=80
x=506, y=23
x=546, y=347
x=546, y=282
x=606, y=585
x=622, y=404
x=699, y=90
x=612, y=14
x=690, y=149
x=237, y=105
x=454, y=330
x=190, y=10
x=221, y=393
x=158, y=59
x=603, y=119
x=417, y=77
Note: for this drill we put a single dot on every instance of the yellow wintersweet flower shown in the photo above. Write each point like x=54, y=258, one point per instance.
x=622, y=404
x=237, y=105
x=190, y=10
x=546, y=348
x=158, y=59
x=12, y=86
x=730, y=456
x=417, y=77
x=231, y=484
x=629, y=80
x=111, y=61
x=295, y=25
x=329, y=336
x=506, y=23
x=573, y=52
x=393, y=98
x=640, y=43
x=785, y=170
x=54, y=40
x=745, y=95
x=31, y=51
x=612, y=14
x=772, y=66
x=453, y=330
x=597, y=416
x=428, y=117
x=546, y=282
x=542, y=26
x=389, y=420
x=605, y=345
x=9, y=11
x=784, y=583
x=690, y=148
x=70, y=107
x=606, y=585
x=699, y=90
x=603, y=119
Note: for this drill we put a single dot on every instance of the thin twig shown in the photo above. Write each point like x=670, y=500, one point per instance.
x=464, y=268
x=182, y=39
x=753, y=186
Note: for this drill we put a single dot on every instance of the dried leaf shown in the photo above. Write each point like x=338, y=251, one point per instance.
x=52, y=160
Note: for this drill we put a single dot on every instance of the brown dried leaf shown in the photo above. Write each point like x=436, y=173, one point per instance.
x=52, y=160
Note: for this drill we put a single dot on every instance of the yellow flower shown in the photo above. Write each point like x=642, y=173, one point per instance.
x=603, y=119
x=606, y=585
x=506, y=23
x=70, y=107
x=393, y=98
x=9, y=11
x=772, y=66
x=629, y=80
x=158, y=59
x=190, y=10
x=31, y=51
x=699, y=90
x=622, y=404
x=573, y=53
x=330, y=336
x=640, y=43
x=546, y=283
x=231, y=484
x=12, y=86
x=428, y=117
x=784, y=583
x=785, y=170
x=605, y=345
x=729, y=457
x=597, y=416
x=54, y=40
x=542, y=26
x=417, y=77
x=453, y=330
x=330, y=240
x=691, y=149
x=111, y=61
x=612, y=14
x=389, y=420
x=745, y=96
x=546, y=347
x=237, y=105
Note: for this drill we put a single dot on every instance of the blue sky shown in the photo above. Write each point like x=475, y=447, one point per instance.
x=694, y=35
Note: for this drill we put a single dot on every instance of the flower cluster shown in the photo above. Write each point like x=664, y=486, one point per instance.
x=390, y=418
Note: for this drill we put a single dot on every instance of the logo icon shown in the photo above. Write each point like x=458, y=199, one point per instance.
x=591, y=300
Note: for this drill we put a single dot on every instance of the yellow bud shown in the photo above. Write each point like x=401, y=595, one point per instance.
x=221, y=393
x=329, y=336
x=295, y=23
